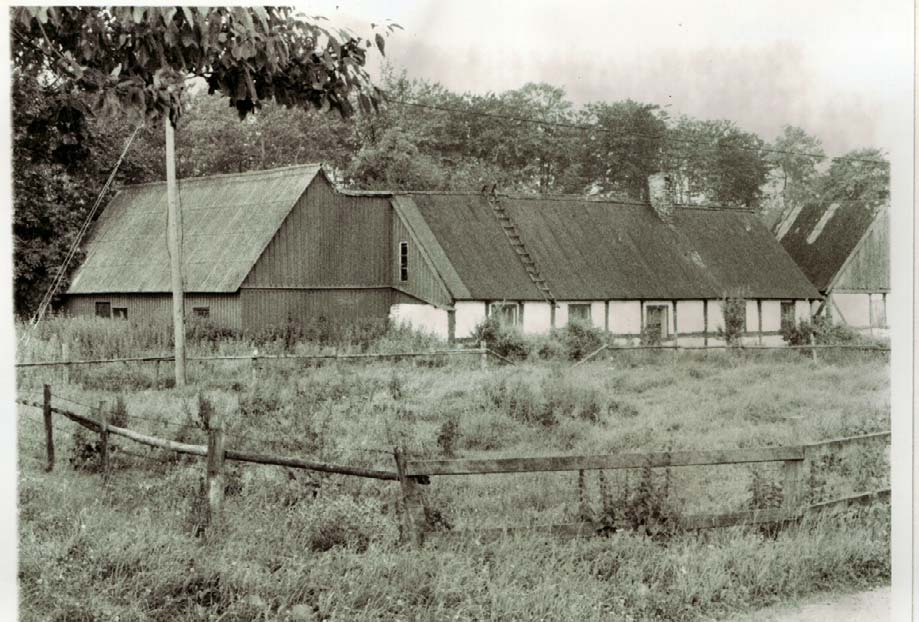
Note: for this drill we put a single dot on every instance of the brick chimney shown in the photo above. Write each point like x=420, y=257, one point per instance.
x=661, y=195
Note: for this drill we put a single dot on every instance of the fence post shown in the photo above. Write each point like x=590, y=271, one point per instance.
x=813, y=350
x=791, y=469
x=103, y=442
x=583, y=506
x=413, y=518
x=49, y=431
x=806, y=490
x=215, y=458
x=483, y=361
x=65, y=369
x=255, y=366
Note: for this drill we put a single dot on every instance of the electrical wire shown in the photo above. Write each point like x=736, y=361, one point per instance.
x=62, y=270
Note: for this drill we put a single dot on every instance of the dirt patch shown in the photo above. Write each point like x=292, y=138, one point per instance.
x=870, y=606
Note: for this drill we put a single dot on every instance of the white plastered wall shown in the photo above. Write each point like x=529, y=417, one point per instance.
x=690, y=317
x=422, y=318
x=802, y=311
x=468, y=316
x=772, y=315
x=597, y=314
x=850, y=309
x=625, y=317
x=751, y=317
x=715, y=316
x=537, y=318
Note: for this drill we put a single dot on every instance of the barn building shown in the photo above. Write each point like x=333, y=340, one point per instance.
x=844, y=249
x=270, y=247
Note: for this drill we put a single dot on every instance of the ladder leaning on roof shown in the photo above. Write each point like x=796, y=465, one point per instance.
x=513, y=236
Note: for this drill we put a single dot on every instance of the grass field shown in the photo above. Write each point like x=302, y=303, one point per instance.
x=298, y=546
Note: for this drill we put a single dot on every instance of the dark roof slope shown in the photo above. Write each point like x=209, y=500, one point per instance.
x=227, y=221
x=470, y=235
x=825, y=233
x=606, y=250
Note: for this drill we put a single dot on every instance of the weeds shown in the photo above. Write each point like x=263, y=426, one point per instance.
x=324, y=547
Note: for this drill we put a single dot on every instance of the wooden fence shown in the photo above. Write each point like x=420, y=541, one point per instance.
x=795, y=462
x=413, y=474
x=482, y=352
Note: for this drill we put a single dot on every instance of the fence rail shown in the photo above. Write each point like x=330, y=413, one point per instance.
x=411, y=474
x=256, y=357
x=600, y=462
x=482, y=351
x=794, y=461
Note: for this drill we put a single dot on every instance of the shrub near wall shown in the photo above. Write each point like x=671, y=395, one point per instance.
x=507, y=341
x=734, y=310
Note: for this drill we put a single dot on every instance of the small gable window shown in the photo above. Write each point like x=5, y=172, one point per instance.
x=103, y=309
x=201, y=311
x=120, y=313
x=579, y=312
x=403, y=261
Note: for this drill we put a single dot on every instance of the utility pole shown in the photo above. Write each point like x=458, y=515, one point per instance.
x=174, y=242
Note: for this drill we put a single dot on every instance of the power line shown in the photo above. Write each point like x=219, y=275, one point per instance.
x=597, y=128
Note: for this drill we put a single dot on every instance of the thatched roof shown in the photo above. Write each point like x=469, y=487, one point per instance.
x=228, y=220
x=595, y=250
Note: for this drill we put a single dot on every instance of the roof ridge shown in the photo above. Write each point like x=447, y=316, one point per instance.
x=579, y=198
x=260, y=172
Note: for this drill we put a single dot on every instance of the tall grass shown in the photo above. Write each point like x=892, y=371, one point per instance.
x=302, y=546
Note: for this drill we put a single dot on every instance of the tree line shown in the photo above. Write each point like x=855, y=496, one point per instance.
x=533, y=139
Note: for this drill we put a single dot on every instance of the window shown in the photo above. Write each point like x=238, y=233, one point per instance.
x=506, y=312
x=579, y=312
x=403, y=261
x=120, y=313
x=201, y=311
x=103, y=309
x=656, y=320
x=788, y=314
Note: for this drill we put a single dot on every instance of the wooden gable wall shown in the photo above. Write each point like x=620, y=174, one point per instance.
x=328, y=240
x=868, y=269
x=423, y=282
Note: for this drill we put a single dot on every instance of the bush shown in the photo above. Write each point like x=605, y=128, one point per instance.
x=734, y=310
x=645, y=506
x=501, y=338
x=520, y=400
x=447, y=436
x=579, y=338
x=546, y=403
x=822, y=329
x=650, y=336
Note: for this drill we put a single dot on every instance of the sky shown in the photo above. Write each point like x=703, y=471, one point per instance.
x=833, y=68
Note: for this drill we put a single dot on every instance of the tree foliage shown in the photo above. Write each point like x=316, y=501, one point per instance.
x=717, y=162
x=794, y=158
x=136, y=60
x=85, y=76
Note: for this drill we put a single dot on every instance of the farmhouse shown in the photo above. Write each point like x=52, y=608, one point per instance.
x=843, y=248
x=271, y=247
